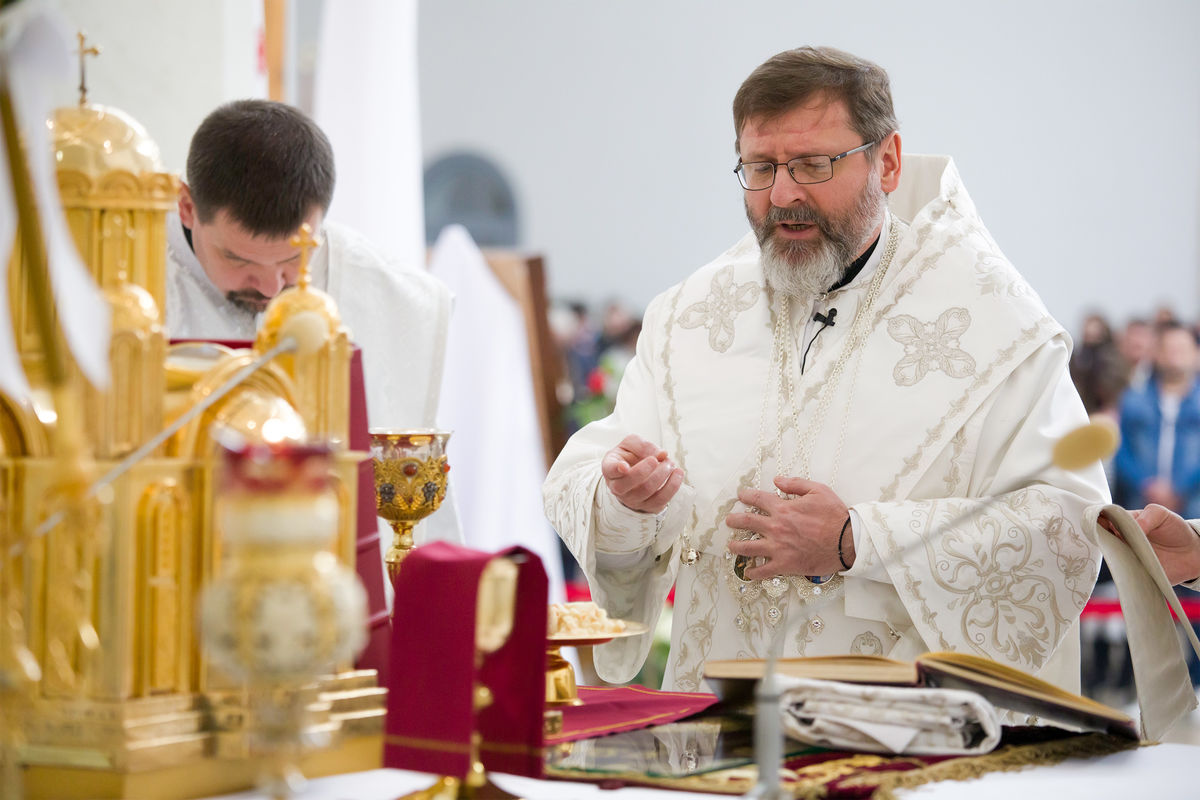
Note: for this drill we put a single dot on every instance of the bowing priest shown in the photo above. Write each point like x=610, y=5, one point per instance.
x=256, y=171
x=807, y=413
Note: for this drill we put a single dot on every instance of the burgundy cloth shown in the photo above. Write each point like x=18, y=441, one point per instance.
x=369, y=562
x=852, y=780
x=854, y=783
x=433, y=667
x=513, y=725
x=612, y=709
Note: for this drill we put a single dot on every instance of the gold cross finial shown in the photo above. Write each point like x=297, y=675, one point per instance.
x=83, y=53
x=304, y=241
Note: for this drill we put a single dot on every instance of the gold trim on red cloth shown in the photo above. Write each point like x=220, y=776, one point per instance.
x=445, y=746
x=440, y=745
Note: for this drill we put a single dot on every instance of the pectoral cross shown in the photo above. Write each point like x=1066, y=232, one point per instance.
x=304, y=241
x=83, y=53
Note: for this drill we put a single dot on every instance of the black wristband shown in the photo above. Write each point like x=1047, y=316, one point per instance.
x=841, y=536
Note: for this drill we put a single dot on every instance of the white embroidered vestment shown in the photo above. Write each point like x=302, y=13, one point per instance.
x=945, y=412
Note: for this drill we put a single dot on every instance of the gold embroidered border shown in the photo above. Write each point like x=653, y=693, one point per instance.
x=1004, y=759
x=669, y=381
x=460, y=748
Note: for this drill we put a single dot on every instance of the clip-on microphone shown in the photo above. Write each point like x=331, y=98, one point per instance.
x=824, y=319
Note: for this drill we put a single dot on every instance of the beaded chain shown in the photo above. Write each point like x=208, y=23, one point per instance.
x=780, y=370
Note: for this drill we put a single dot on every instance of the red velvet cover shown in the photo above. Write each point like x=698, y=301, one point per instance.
x=612, y=709
x=433, y=667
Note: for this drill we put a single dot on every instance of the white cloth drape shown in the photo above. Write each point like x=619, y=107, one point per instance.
x=37, y=56
x=366, y=101
x=487, y=400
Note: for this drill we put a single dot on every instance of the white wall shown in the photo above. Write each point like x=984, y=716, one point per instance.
x=1074, y=124
x=168, y=62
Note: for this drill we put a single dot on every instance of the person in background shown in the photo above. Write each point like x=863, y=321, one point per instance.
x=1158, y=460
x=1097, y=368
x=1136, y=344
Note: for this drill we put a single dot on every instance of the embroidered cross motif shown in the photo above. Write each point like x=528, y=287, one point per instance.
x=717, y=312
x=931, y=346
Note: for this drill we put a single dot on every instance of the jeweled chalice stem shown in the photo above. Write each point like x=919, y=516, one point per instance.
x=402, y=543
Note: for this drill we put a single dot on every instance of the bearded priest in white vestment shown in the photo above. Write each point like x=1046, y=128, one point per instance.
x=806, y=414
x=256, y=171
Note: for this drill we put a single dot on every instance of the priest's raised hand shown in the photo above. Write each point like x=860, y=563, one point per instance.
x=804, y=532
x=641, y=475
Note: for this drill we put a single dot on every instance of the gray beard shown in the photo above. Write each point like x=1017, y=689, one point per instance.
x=806, y=270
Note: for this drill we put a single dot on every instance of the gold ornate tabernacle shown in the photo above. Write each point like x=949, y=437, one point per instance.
x=126, y=704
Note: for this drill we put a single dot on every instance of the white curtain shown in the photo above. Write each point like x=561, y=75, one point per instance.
x=366, y=101
x=495, y=454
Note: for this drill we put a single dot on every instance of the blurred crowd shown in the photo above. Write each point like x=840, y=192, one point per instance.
x=596, y=349
x=1145, y=379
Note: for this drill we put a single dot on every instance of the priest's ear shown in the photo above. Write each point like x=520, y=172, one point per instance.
x=187, y=208
x=889, y=162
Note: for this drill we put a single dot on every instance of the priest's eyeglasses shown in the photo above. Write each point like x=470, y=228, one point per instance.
x=758, y=175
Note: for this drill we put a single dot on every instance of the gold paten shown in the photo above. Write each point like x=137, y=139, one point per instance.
x=143, y=714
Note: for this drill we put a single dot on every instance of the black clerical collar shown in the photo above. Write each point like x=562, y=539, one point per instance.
x=851, y=271
x=187, y=234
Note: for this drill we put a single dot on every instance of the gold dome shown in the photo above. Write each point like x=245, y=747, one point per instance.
x=133, y=308
x=287, y=305
x=96, y=140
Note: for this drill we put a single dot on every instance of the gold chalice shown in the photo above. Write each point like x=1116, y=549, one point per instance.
x=410, y=483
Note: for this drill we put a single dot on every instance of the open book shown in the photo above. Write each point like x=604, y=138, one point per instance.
x=1002, y=685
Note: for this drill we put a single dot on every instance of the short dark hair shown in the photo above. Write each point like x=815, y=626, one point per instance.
x=792, y=77
x=265, y=163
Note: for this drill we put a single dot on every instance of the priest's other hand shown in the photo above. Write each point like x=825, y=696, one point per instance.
x=1173, y=539
x=798, y=532
x=640, y=475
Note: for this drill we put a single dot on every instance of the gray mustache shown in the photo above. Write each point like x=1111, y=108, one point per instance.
x=794, y=215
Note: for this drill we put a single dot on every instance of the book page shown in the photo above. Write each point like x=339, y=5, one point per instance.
x=1045, y=699
x=850, y=668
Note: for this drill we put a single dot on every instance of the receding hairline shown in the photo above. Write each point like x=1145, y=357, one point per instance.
x=791, y=78
x=816, y=99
